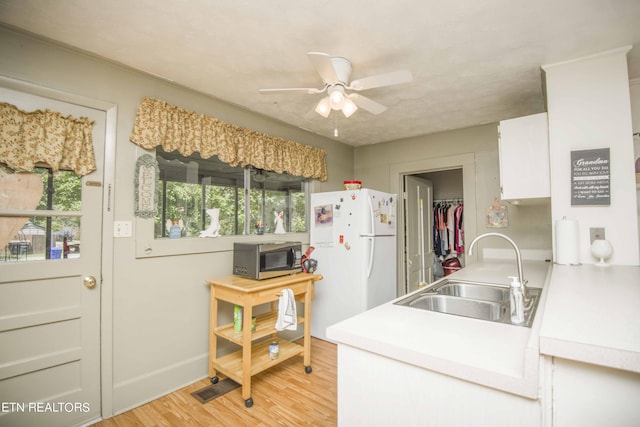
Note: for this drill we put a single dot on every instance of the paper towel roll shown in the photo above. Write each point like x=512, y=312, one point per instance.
x=567, y=251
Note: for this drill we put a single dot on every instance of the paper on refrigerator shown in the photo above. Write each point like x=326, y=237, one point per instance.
x=323, y=220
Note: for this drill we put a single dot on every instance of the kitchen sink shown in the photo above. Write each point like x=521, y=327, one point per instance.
x=475, y=290
x=478, y=300
x=469, y=307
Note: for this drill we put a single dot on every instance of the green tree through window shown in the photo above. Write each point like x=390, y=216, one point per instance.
x=189, y=186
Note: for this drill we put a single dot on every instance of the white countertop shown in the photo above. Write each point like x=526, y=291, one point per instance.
x=496, y=355
x=586, y=313
x=592, y=315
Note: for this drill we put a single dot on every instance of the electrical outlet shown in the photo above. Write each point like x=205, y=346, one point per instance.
x=596, y=233
x=122, y=229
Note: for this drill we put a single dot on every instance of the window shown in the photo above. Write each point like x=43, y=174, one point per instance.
x=190, y=186
x=47, y=235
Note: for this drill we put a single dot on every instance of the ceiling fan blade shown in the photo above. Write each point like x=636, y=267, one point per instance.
x=310, y=115
x=367, y=104
x=309, y=90
x=381, y=80
x=323, y=65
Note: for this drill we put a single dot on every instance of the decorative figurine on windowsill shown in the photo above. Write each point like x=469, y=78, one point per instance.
x=260, y=228
x=214, y=227
x=174, y=228
x=279, y=221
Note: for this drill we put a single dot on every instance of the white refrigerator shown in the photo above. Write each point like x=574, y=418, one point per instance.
x=353, y=233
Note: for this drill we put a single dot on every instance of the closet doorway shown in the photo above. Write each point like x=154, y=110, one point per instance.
x=433, y=219
x=464, y=164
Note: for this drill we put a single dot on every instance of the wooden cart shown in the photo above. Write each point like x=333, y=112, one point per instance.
x=254, y=356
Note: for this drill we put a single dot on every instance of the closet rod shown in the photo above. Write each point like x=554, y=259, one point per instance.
x=448, y=201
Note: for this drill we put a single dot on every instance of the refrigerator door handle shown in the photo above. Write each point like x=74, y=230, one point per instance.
x=371, y=252
x=423, y=270
x=372, y=226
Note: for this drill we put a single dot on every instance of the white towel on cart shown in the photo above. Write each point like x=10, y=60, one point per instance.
x=287, y=316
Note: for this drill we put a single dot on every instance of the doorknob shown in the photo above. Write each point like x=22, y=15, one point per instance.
x=89, y=282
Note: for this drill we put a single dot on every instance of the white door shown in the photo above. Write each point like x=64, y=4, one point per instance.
x=418, y=232
x=49, y=319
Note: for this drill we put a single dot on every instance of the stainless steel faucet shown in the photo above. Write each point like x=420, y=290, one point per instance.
x=515, y=247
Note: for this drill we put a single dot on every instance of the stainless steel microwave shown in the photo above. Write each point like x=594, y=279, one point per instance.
x=264, y=260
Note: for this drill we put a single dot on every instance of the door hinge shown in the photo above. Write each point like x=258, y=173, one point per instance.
x=109, y=198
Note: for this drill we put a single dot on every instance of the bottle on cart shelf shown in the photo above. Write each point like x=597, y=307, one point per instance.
x=237, y=318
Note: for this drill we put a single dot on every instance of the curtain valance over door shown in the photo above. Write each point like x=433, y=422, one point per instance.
x=174, y=128
x=30, y=138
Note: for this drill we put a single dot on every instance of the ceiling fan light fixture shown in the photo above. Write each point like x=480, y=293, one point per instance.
x=337, y=99
x=336, y=77
x=349, y=107
x=324, y=107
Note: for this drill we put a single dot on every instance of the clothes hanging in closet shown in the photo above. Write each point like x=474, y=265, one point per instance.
x=448, y=229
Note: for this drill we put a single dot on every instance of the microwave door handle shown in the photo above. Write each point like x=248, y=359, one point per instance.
x=293, y=258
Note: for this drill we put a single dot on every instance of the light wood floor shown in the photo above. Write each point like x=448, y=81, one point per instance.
x=283, y=395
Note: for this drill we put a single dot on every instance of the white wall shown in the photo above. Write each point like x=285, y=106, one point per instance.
x=635, y=119
x=589, y=107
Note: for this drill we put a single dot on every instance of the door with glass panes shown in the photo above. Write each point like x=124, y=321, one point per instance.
x=49, y=296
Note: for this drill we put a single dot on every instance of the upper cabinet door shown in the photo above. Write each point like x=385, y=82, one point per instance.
x=524, y=158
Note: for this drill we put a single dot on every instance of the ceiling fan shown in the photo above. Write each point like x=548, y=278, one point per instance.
x=336, y=76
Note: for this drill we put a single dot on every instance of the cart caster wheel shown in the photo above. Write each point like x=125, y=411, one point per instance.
x=249, y=402
x=308, y=369
x=215, y=380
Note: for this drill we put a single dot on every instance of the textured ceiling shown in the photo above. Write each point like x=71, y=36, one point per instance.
x=473, y=61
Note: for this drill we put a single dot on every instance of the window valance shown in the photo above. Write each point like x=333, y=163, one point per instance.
x=174, y=128
x=61, y=142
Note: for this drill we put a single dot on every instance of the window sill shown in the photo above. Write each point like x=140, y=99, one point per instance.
x=150, y=247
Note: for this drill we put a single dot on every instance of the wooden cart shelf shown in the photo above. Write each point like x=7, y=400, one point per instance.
x=231, y=364
x=253, y=357
x=265, y=326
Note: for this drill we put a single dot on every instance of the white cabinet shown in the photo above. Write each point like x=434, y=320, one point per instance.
x=588, y=395
x=524, y=158
x=375, y=390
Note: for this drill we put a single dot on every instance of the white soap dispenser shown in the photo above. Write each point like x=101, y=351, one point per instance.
x=516, y=301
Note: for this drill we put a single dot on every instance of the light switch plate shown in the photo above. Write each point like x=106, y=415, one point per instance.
x=596, y=233
x=122, y=229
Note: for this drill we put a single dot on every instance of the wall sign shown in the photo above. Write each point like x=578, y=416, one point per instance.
x=146, y=186
x=590, y=177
